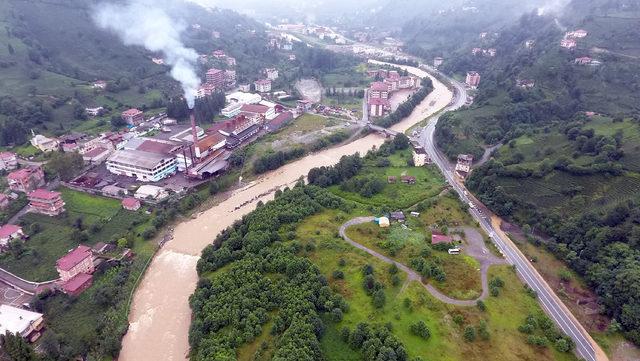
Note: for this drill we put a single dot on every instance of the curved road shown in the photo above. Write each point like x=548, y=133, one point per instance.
x=486, y=260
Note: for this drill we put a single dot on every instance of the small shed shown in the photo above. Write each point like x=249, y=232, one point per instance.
x=131, y=204
x=383, y=222
x=437, y=238
x=397, y=216
x=392, y=179
x=408, y=179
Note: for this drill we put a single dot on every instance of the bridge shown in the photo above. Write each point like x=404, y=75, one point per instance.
x=382, y=130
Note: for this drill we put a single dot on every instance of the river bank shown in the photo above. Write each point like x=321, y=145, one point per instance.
x=160, y=314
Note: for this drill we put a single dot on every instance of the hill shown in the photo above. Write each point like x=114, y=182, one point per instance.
x=571, y=141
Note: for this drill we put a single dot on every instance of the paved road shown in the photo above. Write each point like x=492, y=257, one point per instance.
x=586, y=347
x=475, y=250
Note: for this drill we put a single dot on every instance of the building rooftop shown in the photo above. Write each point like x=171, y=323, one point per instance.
x=280, y=119
x=437, y=238
x=132, y=112
x=73, y=258
x=379, y=86
x=16, y=320
x=22, y=173
x=76, y=283
x=254, y=108
x=214, y=71
x=8, y=229
x=143, y=159
x=210, y=140
x=130, y=202
x=44, y=194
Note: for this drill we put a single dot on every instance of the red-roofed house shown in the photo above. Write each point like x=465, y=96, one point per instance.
x=8, y=161
x=437, y=238
x=277, y=122
x=79, y=260
x=77, y=284
x=26, y=179
x=8, y=233
x=133, y=116
x=131, y=204
x=46, y=202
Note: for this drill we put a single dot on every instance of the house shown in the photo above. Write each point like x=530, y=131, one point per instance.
x=463, y=165
x=216, y=77
x=280, y=120
x=8, y=161
x=585, y=60
x=304, y=106
x=407, y=179
x=219, y=54
x=8, y=233
x=437, y=238
x=525, y=83
x=420, y=157
x=99, y=84
x=437, y=62
x=26, y=179
x=44, y=144
x=529, y=44
x=46, y=202
x=78, y=284
x=131, y=204
x=133, y=116
x=263, y=85
x=151, y=192
x=158, y=61
x=577, y=34
x=4, y=201
x=473, y=79
x=397, y=216
x=392, y=179
x=568, y=43
x=491, y=52
x=271, y=73
x=476, y=51
x=27, y=324
x=79, y=260
x=93, y=112
x=143, y=165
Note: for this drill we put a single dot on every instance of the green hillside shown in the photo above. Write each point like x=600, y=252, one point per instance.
x=569, y=163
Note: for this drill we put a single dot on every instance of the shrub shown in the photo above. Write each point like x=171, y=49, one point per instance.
x=420, y=329
x=469, y=334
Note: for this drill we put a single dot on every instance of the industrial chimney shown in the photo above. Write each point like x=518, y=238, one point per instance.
x=194, y=134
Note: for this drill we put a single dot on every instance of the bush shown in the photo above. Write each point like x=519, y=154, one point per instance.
x=481, y=306
x=336, y=315
x=469, y=334
x=338, y=275
x=379, y=299
x=420, y=329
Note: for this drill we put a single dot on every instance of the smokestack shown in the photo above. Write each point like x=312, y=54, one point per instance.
x=194, y=133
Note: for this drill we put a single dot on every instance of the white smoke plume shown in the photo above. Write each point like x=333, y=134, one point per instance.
x=143, y=23
x=553, y=6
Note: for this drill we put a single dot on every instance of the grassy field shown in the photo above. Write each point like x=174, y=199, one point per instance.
x=504, y=313
x=102, y=220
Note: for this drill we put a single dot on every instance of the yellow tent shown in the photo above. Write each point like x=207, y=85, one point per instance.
x=383, y=222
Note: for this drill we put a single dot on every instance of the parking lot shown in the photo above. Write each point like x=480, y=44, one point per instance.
x=12, y=297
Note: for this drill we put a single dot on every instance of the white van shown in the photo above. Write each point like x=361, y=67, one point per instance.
x=454, y=251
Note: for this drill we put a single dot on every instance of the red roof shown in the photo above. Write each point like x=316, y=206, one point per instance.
x=280, y=119
x=78, y=282
x=152, y=146
x=378, y=101
x=44, y=194
x=130, y=203
x=210, y=140
x=254, y=108
x=7, y=155
x=437, y=238
x=213, y=71
x=95, y=152
x=263, y=81
x=73, y=258
x=131, y=112
x=8, y=229
x=379, y=86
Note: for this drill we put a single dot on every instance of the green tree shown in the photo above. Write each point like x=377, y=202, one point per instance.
x=17, y=348
x=65, y=165
x=469, y=334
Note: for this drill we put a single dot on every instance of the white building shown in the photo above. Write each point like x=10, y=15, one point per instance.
x=151, y=192
x=271, y=73
x=144, y=166
x=263, y=85
x=21, y=322
x=420, y=157
x=44, y=144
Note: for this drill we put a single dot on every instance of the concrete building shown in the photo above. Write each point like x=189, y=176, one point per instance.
x=463, y=166
x=437, y=62
x=585, y=60
x=378, y=107
x=8, y=161
x=525, y=83
x=27, y=324
x=473, y=79
x=577, y=34
x=230, y=78
x=263, y=85
x=151, y=192
x=420, y=157
x=205, y=90
x=568, y=43
x=46, y=202
x=133, y=116
x=378, y=90
x=77, y=284
x=271, y=73
x=79, y=260
x=215, y=77
x=26, y=179
x=144, y=166
x=237, y=100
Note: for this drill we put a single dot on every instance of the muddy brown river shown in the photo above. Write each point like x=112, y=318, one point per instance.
x=160, y=313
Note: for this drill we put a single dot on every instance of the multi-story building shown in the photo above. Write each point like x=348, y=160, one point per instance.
x=205, y=90
x=437, y=62
x=420, y=157
x=133, y=116
x=8, y=161
x=144, y=166
x=215, y=77
x=263, y=85
x=230, y=78
x=79, y=260
x=271, y=73
x=473, y=79
x=463, y=166
x=26, y=179
x=46, y=202
x=27, y=324
x=378, y=90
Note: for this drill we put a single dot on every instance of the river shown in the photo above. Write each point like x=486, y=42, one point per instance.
x=160, y=313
